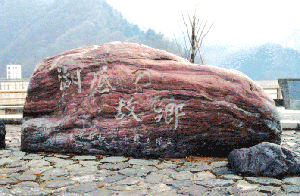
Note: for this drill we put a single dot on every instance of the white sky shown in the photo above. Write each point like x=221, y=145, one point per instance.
x=236, y=22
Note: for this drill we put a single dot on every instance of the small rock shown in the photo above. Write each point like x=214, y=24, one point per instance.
x=113, y=159
x=24, y=177
x=84, y=157
x=192, y=190
x=18, y=154
x=101, y=191
x=55, y=172
x=122, y=188
x=166, y=164
x=292, y=144
x=27, y=184
x=7, y=180
x=114, y=166
x=105, y=172
x=214, y=183
x=219, y=191
x=178, y=184
x=114, y=178
x=87, y=178
x=89, y=163
x=20, y=163
x=183, y=175
x=61, y=156
x=204, y=176
x=82, y=171
x=264, y=159
x=270, y=190
x=194, y=168
x=29, y=191
x=129, y=171
x=219, y=164
x=11, y=170
x=155, y=178
x=54, y=184
x=292, y=180
x=5, y=161
x=32, y=157
x=63, y=163
x=129, y=181
x=4, y=191
x=254, y=193
x=83, y=188
x=142, y=162
x=38, y=163
x=291, y=189
x=158, y=188
x=222, y=171
x=245, y=186
x=264, y=181
x=73, y=167
x=143, y=171
x=231, y=177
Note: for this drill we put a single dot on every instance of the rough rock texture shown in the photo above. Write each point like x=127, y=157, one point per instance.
x=264, y=159
x=130, y=99
x=2, y=134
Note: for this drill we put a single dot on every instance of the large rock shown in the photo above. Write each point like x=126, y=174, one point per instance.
x=130, y=99
x=2, y=134
x=264, y=159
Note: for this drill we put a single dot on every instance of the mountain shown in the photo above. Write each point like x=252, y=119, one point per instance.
x=34, y=29
x=265, y=62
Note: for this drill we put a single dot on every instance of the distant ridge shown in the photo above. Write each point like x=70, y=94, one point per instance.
x=265, y=62
x=34, y=29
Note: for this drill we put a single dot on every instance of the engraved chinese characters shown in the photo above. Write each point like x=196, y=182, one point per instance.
x=170, y=112
x=66, y=79
x=104, y=85
x=128, y=104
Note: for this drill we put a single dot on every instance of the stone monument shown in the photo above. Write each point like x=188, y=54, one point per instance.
x=132, y=100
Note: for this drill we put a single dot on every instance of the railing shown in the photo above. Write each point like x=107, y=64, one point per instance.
x=275, y=93
x=14, y=84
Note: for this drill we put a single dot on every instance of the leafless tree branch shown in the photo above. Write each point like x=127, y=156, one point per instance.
x=194, y=35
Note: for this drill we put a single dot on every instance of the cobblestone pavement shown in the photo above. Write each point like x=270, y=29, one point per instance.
x=56, y=174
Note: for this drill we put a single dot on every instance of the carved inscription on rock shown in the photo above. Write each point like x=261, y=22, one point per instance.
x=66, y=78
x=166, y=109
x=129, y=106
x=170, y=112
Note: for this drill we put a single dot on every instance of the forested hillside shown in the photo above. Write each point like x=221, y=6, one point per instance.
x=34, y=29
x=31, y=30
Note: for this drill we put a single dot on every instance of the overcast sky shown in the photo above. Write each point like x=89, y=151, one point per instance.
x=236, y=22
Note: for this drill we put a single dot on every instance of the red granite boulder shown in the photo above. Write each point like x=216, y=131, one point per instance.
x=133, y=100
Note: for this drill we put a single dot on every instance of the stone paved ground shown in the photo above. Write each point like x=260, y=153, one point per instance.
x=56, y=174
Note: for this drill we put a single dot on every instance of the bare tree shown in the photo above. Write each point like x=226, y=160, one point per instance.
x=193, y=36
